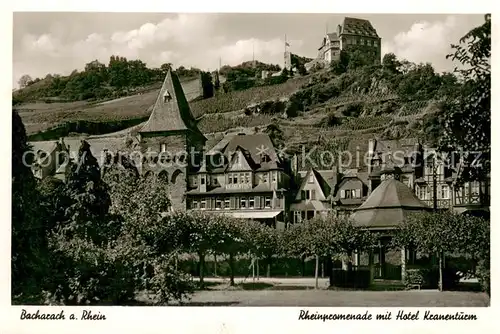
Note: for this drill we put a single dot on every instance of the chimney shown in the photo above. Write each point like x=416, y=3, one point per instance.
x=294, y=164
x=339, y=30
x=371, y=148
x=335, y=176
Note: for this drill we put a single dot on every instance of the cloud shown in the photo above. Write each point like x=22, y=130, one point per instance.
x=424, y=41
x=186, y=39
x=264, y=50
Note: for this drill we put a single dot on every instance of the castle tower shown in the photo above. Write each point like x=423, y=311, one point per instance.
x=171, y=142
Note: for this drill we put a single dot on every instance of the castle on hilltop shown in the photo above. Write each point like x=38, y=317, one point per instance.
x=352, y=34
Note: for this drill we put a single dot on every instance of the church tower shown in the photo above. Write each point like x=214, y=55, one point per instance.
x=170, y=141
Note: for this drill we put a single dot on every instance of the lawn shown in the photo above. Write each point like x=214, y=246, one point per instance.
x=301, y=292
x=310, y=297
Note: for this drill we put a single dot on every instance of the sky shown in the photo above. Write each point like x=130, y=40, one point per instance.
x=59, y=42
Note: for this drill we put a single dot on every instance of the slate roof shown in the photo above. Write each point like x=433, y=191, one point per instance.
x=360, y=27
x=173, y=114
x=332, y=36
x=400, y=148
x=388, y=206
x=97, y=146
x=392, y=194
x=253, y=145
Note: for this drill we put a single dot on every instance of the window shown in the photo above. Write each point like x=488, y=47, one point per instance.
x=265, y=177
x=203, y=204
x=350, y=193
x=235, y=178
x=163, y=147
x=202, y=180
x=251, y=202
x=230, y=179
x=195, y=181
x=166, y=96
x=303, y=194
x=313, y=194
x=275, y=176
x=237, y=158
x=227, y=203
x=214, y=180
x=475, y=188
x=194, y=204
x=247, y=177
x=218, y=204
x=445, y=193
x=268, y=202
x=308, y=194
x=243, y=203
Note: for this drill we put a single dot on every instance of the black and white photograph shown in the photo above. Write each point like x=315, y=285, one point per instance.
x=250, y=159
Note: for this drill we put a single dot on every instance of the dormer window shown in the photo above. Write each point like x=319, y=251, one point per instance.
x=166, y=97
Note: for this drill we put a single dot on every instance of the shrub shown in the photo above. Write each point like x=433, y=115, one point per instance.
x=351, y=279
x=483, y=275
x=332, y=120
x=352, y=109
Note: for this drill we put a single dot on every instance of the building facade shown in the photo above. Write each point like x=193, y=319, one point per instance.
x=352, y=34
x=244, y=177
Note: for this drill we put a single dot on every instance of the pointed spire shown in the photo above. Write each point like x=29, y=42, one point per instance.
x=171, y=111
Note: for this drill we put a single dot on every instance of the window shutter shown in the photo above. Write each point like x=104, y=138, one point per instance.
x=358, y=193
x=342, y=193
x=313, y=194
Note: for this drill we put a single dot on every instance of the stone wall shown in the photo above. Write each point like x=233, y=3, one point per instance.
x=171, y=167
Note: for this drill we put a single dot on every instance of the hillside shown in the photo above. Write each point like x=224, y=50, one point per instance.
x=336, y=108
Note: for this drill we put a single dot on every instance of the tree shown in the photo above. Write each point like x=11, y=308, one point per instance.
x=349, y=238
x=446, y=233
x=24, y=81
x=275, y=133
x=30, y=256
x=230, y=241
x=90, y=261
x=262, y=241
x=311, y=238
x=339, y=66
x=391, y=63
x=165, y=68
x=153, y=234
x=467, y=123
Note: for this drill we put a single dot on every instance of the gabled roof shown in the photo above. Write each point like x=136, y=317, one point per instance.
x=173, y=114
x=247, y=164
x=360, y=27
x=255, y=144
x=327, y=180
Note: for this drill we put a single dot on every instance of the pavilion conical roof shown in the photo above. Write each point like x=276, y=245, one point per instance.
x=388, y=206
